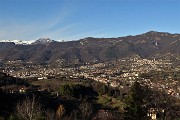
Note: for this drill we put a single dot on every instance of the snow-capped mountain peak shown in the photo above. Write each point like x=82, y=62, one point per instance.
x=30, y=42
x=43, y=41
x=18, y=42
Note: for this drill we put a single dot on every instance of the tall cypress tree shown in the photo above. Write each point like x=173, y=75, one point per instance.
x=134, y=103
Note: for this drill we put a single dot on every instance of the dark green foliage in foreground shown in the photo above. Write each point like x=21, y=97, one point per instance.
x=134, y=103
x=9, y=80
x=8, y=103
x=77, y=91
x=66, y=90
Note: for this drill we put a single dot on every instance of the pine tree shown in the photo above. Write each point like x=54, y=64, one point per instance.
x=66, y=90
x=134, y=103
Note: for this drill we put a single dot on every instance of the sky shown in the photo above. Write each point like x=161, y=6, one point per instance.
x=75, y=19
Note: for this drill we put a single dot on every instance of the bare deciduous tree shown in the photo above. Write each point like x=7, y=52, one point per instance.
x=29, y=109
x=60, y=111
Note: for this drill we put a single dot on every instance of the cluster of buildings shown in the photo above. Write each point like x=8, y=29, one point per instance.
x=120, y=73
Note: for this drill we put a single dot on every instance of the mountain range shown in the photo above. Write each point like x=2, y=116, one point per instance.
x=151, y=44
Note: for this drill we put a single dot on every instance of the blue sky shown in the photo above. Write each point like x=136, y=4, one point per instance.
x=75, y=19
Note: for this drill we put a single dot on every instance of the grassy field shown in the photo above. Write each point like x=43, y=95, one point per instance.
x=110, y=102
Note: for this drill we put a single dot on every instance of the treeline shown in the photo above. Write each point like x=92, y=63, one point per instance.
x=78, y=91
x=88, y=90
x=6, y=80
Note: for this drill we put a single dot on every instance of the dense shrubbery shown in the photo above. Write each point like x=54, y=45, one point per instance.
x=78, y=91
x=8, y=80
